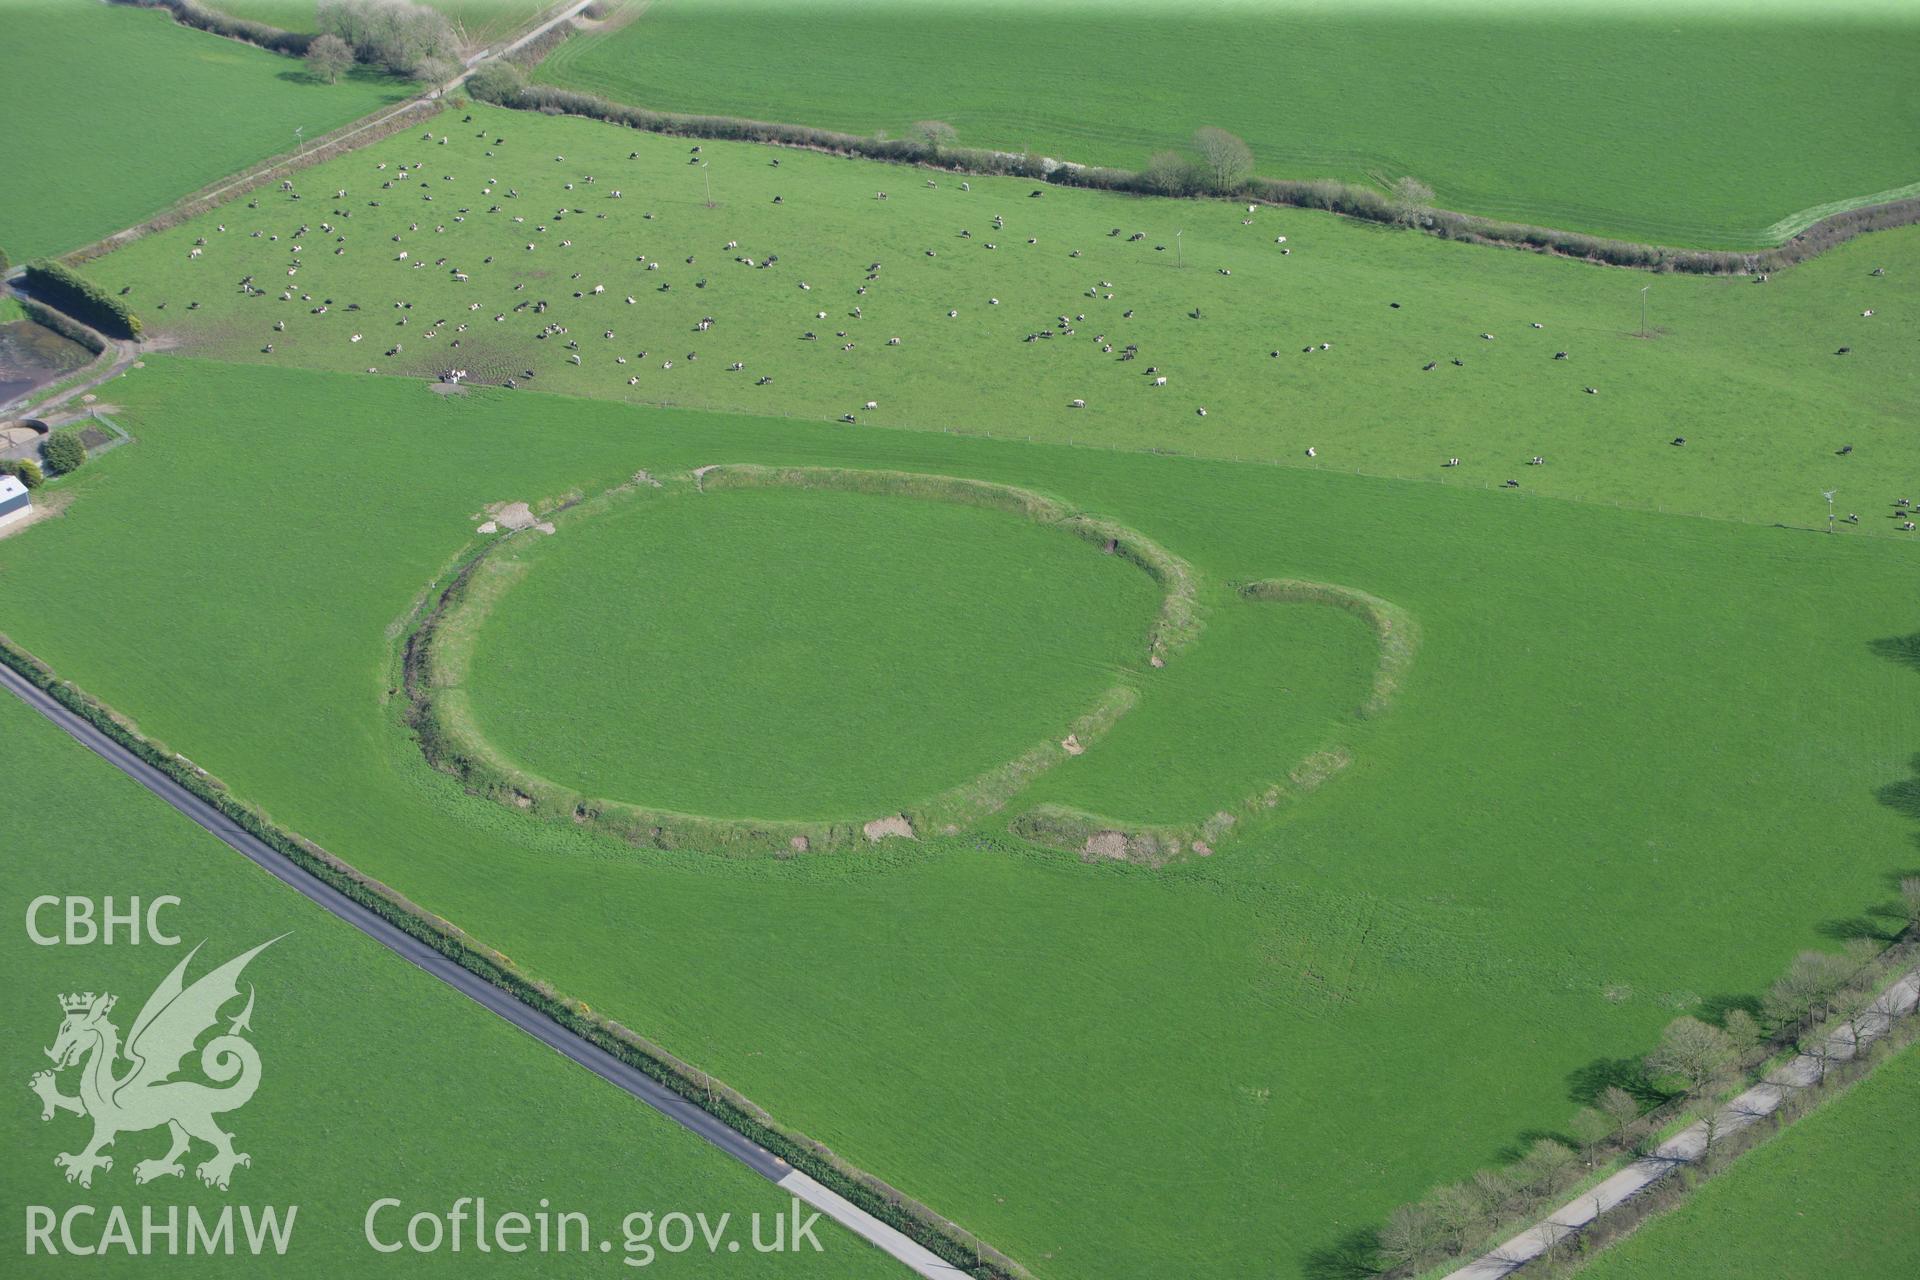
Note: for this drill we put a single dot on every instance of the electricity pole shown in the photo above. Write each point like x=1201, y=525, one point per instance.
x=1179, y=257
x=709, y=177
x=1828, y=494
x=1643, y=309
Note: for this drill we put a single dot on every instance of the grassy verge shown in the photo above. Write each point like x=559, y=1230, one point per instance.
x=367, y=1067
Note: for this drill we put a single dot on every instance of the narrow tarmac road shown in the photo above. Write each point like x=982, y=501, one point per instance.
x=1757, y=1103
x=914, y=1256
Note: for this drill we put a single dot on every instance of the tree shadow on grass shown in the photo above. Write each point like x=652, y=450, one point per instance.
x=1353, y=1256
x=1715, y=1009
x=1903, y=796
x=1881, y=924
x=1586, y=1084
x=1523, y=1142
x=1904, y=650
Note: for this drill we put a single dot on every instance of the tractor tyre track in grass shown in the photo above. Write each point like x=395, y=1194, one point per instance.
x=915, y=1257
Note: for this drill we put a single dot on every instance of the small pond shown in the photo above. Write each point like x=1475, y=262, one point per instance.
x=33, y=355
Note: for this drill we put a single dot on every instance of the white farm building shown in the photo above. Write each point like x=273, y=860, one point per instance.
x=14, y=503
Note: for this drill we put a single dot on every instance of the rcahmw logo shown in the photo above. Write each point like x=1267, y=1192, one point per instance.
x=131, y=1087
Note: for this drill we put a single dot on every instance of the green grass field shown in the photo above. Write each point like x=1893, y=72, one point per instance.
x=480, y=22
x=376, y=1080
x=1747, y=373
x=1701, y=125
x=744, y=654
x=1637, y=759
x=1262, y=691
x=84, y=162
x=1837, y=1192
x=1244, y=1057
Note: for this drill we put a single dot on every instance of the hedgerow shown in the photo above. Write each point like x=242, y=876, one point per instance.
x=1320, y=193
x=81, y=298
x=739, y=1113
x=190, y=14
x=64, y=325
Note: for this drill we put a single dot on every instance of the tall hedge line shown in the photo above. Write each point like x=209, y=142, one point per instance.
x=63, y=324
x=968, y=1255
x=553, y=101
x=192, y=14
x=81, y=298
x=1323, y=193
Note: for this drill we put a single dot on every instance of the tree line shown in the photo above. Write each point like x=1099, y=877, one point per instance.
x=393, y=35
x=1686, y=1077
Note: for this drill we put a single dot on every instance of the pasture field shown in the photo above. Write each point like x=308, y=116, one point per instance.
x=474, y=258
x=673, y=650
x=114, y=112
x=1836, y=1192
x=376, y=1080
x=1231, y=1064
x=481, y=22
x=1704, y=125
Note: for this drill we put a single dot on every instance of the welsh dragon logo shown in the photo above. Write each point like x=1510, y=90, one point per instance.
x=143, y=1094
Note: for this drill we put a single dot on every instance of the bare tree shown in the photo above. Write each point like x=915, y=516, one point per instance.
x=1495, y=1190
x=435, y=69
x=396, y=34
x=1816, y=1042
x=1457, y=1215
x=1910, y=899
x=1409, y=1237
x=1860, y=953
x=1412, y=202
x=1621, y=1107
x=1693, y=1052
x=1806, y=988
x=1857, y=1007
x=1742, y=1029
x=1169, y=173
x=1713, y=1121
x=1226, y=160
x=934, y=136
x=1592, y=1127
x=327, y=57
x=1548, y=1168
